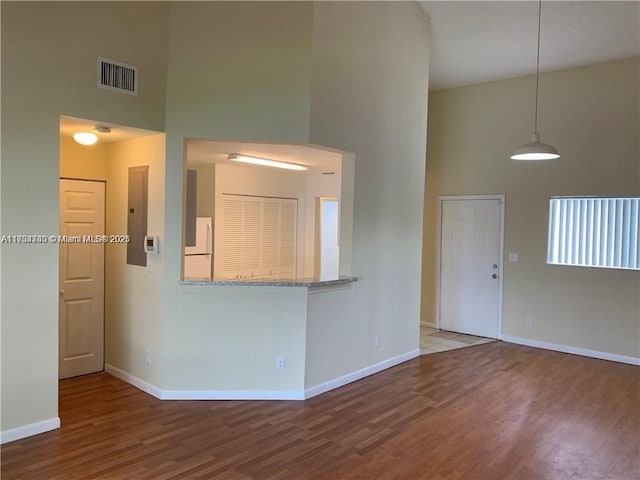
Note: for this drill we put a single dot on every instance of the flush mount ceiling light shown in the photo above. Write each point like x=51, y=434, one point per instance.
x=89, y=138
x=535, y=149
x=265, y=162
x=85, y=138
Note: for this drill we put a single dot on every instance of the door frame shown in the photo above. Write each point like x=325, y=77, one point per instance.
x=318, y=232
x=104, y=274
x=441, y=200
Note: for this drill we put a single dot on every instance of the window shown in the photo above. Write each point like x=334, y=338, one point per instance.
x=594, y=232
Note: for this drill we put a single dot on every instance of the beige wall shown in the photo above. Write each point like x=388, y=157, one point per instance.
x=369, y=96
x=133, y=294
x=81, y=161
x=237, y=71
x=47, y=71
x=591, y=114
x=361, y=86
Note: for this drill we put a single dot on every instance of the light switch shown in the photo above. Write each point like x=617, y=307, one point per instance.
x=513, y=257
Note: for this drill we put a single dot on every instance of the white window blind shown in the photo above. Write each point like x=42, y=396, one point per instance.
x=594, y=232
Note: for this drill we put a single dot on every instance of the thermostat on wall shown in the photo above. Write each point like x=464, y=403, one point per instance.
x=151, y=244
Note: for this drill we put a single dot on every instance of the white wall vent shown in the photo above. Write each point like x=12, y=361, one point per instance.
x=117, y=76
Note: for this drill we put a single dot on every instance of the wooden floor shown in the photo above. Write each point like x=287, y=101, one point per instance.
x=493, y=411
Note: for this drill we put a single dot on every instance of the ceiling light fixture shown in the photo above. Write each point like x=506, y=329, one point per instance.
x=265, y=162
x=535, y=149
x=89, y=138
x=85, y=138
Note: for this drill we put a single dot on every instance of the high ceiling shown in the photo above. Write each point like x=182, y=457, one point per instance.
x=480, y=41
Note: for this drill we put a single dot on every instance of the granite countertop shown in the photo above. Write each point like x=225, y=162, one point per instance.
x=267, y=282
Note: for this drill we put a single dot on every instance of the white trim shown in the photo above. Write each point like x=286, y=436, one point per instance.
x=428, y=324
x=29, y=430
x=438, y=256
x=585, y=352
x=261, y=394
x=359, y=374
x=501, y=269
x=203, y=394
x=441, y=199
x=133, y=380
x=232, y=395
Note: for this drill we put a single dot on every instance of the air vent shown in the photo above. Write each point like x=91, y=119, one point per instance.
x=117, y=76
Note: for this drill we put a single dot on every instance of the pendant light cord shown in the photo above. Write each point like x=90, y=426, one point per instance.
x=535, y=122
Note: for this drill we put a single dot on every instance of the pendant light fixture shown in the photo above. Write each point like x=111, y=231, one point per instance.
x=535, y=149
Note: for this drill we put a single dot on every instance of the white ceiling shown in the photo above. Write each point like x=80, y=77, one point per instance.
x=474, y=42
x=481, y=41
x=71, y=125
x=316, y=159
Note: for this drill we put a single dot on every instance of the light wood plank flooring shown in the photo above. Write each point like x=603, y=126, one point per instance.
x=433, y=340
x=493, y=411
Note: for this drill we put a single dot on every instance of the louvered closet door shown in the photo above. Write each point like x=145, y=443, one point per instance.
x=258, y=238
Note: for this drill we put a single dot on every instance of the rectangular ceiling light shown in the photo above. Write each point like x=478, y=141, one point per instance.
x=265, y=162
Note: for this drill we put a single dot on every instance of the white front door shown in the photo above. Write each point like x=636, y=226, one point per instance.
x=81, y=305
x=470, y=270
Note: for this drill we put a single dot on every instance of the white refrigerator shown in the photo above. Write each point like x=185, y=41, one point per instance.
x=197, y=259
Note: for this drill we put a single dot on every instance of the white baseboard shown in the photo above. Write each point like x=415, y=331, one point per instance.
x=614, y=357
x=29, y=430
x=428, y=324
x=359, y=374
x=259, y=394
x=232, y=395
x=133, y=380
x=203, y=394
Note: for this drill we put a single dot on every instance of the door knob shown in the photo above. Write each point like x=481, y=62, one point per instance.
x=495, y=266
x=495, y=275
x=61, y=292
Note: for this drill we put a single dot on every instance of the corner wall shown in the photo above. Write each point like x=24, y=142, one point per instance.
x=237, y=71
x=369, y=96
x=37, y=38
x=591, y=114
x=133, y=294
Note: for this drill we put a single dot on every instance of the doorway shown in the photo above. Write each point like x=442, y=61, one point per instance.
x=81, y=302
x=328, y=238
x=470, y=264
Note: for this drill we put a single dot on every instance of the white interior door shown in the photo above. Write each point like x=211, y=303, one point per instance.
x=470, y=270
x=81, y=305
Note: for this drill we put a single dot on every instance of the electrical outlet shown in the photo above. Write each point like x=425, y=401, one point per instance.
x=147, y=357
x=529, y=321
x=280, y=362
x=378, y=341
